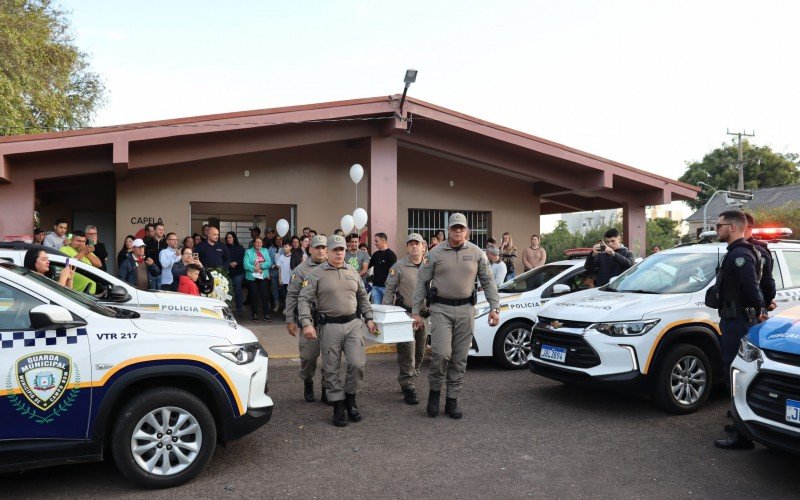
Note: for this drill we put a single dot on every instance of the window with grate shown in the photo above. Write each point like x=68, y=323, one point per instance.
x=427, y=221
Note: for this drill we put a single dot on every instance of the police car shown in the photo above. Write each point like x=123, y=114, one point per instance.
x=520, y=298
x=765, y=379
x=111, y=290
x=156, y=391
x=649, y=331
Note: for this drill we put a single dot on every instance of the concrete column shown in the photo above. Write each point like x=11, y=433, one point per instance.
x=383, y=188
x=634, y=227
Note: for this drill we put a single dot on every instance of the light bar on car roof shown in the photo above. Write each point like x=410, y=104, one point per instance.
x=771, y=233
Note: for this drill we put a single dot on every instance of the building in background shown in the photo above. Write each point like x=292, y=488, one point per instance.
x=581, y=222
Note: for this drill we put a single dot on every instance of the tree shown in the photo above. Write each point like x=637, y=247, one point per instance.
x=45, y=82
x=763, y=168
x=787, y=216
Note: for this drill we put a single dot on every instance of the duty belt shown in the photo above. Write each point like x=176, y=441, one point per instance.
x=453, y=302
x=338, y=320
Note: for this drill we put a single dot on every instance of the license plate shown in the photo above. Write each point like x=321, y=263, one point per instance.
x=558, y=354
x=793, y=411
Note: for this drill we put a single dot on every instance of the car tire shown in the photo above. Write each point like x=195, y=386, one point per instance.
x=512, y=345
x=683, y=379
x=188, y=422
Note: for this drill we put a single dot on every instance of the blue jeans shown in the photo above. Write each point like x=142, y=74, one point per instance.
x=275, y=288
x=237, y=291
x=377, y=294
x=510, y=276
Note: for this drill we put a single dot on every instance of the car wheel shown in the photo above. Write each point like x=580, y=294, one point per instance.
x=512, y=344
x=683, y=380
x=163, y=438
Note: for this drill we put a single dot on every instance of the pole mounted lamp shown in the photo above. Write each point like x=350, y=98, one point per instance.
x=411, y=77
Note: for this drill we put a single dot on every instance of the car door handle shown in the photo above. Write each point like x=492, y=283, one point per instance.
x=781, y=299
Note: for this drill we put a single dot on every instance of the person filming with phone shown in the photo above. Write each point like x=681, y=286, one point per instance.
x=609, y=258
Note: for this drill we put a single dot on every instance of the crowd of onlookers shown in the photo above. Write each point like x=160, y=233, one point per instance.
x=259, y=275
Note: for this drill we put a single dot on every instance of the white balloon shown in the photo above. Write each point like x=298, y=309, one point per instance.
x=347, y=224
x=283, y=227
x=356, y=173
x=360, y=218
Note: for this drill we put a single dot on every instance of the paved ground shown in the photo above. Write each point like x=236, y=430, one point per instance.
x=521, y=436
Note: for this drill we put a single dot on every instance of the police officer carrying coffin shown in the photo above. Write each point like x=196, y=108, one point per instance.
x=309, y=348
x=338, y=293
x=400, y=286
x=447, y=279
x=767, y=283
x=740, y=302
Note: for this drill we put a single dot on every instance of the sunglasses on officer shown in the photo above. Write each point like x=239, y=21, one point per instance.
x=719, y=225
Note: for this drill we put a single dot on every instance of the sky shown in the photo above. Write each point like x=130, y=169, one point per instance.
x=649, y=84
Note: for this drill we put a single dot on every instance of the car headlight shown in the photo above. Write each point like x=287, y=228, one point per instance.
x=624, y=328
x=748, y=351
x=241, y=354
x=481, y=310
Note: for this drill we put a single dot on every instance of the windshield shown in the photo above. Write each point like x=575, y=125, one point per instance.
x=668, y=273
x=84, y=300
x=533, y=279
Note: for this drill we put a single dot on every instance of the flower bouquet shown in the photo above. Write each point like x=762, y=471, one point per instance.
x=221, y=285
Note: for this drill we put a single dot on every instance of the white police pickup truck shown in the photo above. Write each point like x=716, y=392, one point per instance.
x=111, y=290
x=509, y=343
x=765, y=381
x=649, y=330
x=158, y=391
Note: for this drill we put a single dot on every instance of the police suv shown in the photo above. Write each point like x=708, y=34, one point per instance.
x=509, y=343
x=157, y=391
x=649, y=331
x=111, y=290
x=765, y=380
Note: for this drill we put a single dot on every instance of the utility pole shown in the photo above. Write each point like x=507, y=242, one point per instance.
x=741, y=156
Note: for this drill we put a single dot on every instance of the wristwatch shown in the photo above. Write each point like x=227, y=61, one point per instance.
x=496, y=309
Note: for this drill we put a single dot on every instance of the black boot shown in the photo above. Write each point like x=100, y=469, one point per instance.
x=352, y=410
x=433, y=403
x=324, y=396
x=308, y=390
x=451, y=408
x=734, y=441
x=410, y=396
x=339, y=419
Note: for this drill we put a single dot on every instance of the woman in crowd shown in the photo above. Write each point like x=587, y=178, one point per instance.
x=440, y=236
x=274, y=275
x=256, y=266
x=197, y=239
x=236, y=267
x=127, y=247
x=305, y=244
x=205, y=282
x=434, y=241
x=37, y=261
x=298, y=255
x=364, y=248
x=188, y=242
x=508, y=254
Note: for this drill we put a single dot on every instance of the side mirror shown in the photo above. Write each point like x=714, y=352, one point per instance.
x=49, y=317
x=118, y=294
x=559, y=289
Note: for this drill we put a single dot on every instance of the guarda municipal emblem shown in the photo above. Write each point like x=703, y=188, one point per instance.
x=42, y=381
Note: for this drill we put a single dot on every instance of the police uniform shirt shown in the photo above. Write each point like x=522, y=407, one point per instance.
x=401, y=281
x=299, y=274
x=767, y=283
x=338, y=291
x=739, y=277
x=452, y=272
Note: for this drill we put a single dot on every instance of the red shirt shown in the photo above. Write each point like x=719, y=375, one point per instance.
x=187, y=286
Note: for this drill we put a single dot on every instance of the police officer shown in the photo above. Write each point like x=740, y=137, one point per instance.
x=767, y=283
x=740, y=301
x=400, y=286
x=341, y=301
x=309, y=348
x=447, y=279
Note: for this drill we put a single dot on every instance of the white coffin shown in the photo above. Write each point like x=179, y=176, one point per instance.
x=394, y=325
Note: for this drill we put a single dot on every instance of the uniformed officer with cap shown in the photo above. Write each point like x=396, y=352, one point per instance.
x=741, y=303
x=342, y=302
x=400, y=286
x=309, y=348
x=447, y=279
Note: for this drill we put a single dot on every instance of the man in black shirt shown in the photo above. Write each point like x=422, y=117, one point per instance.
x=382, y=260
x=609, y=258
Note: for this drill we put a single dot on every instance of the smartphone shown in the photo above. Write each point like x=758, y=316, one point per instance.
x=90, y=242
x=602, y=248
x=67, y=264
x=195, y=256
x=69, y=236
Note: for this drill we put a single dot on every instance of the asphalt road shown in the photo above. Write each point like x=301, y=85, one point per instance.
x=521, y=436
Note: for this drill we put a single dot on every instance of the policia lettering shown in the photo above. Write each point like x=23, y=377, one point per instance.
x=450, y=273
x=42, y=379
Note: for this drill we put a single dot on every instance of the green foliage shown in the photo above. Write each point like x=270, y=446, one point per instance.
x=788, y=216
x=719, y=169
x=45, y=82
x=663, y=232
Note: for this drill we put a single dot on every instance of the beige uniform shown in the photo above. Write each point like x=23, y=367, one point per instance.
x=309, y=348
x=338, y=292
x=401, y=282
x=452, y=271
